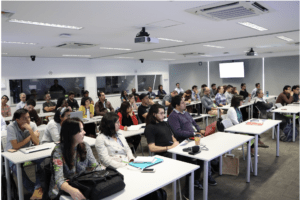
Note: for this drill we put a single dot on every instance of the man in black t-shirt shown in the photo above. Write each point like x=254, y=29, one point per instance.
x=71, y=101
x=144, y=108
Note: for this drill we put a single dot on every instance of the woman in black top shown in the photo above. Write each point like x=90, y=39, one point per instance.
x=161, y=91
x=243, y=91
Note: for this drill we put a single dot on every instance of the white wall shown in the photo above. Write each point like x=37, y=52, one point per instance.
x=24, y=68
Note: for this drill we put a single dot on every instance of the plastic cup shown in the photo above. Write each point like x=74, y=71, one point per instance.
x=197, y=139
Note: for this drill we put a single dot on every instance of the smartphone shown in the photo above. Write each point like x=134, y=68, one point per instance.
x=148, y=171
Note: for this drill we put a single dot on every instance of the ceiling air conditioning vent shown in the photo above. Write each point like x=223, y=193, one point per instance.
x=230, y=10
x=192, y=54
x=74, y=45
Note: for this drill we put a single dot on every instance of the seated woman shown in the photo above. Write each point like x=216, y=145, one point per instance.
x=220, y=97
x=161, y=91
x=188, y=98
x=89, y=128
x=128, y=118
x=71, y=156
x=235, y=91
x=111, y=146
x=124, y=96
x=61, y=103
x=52, y=132
x=236, y=117
x=131, y=100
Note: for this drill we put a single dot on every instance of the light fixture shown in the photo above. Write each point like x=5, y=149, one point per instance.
x=285, y=38
x=45, y=24
x=213, y=46
x=163, y=52
x=4, y=53
x=29, y=43
x=254, y=26
x=125, y=57
x=207, y=55
x=76, y=55
x=167, y=59
x=268, y=46
x=110, y=48
x=171, y=40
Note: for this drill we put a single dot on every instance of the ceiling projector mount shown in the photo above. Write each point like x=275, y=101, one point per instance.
x=143, y=38
x=251, y=53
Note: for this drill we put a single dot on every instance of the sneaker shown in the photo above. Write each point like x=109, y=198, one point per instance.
x=211, y=181
x=198, y=185
x=263, y=145
x=37, y=194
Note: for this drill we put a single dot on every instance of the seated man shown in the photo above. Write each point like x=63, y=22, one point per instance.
x=264, y=108
x=103, y=106
x=22, y=103
x=295, y=89
x=195, y=93
x=253, y=93
x=228, y=94
x=32, y=112
x=144, y=108
x=179, y=89
x=72, y=102
x=208, y=103
x=48, y=106
x=202, y=90
x=213, y=91
x=286, y=97
x=23, y=133
x=168, y=98
x=57, y=87
x=151, y=94
x=184, y=127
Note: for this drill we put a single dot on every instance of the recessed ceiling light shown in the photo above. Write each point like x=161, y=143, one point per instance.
x=207, y=55
x=124, y=57
x=4, y=53
x=163, y=52
x=171, y=40
x=268, y=46
x=167, y=59
x=285, y=38
x=45, y=24
x=76, y=55
x=254, y=26
x=110, y=48
x=5, y=42
x=219, y=47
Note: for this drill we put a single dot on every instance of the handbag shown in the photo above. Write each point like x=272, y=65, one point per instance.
x=96, y=185
x=210, y=129
x=230, y=165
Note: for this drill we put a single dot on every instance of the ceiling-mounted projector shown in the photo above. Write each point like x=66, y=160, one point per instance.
x=143, y=37
x=251, y=53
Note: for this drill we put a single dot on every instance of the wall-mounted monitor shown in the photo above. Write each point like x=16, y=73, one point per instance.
x=232, y=70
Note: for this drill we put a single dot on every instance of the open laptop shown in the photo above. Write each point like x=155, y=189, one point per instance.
x=78, y=114
x=246, y=101
x=36, y=148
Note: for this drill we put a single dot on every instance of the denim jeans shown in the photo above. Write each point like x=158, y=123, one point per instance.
x=28, y=184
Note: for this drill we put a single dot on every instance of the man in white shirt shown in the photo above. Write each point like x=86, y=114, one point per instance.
x=22, y=102
x=178, y=89
x=253, y=93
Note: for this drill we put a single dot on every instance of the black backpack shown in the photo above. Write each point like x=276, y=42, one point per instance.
x=159, y=194
x=220, y=125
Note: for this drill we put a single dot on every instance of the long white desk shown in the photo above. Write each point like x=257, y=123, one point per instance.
x=140, y=184
x=256, y=130
x=18, y=158
x=40, y=115
x=93, y=119
x=287, y=109
x=129, y=133
x=218, y=144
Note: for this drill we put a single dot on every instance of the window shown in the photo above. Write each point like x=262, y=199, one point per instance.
x=115, y=84
x=144, y=81
x=37, y=88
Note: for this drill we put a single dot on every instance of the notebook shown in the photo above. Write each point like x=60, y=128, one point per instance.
x=36, y=148
x=145, y=165
x=256, y=122
x=144, y=159
x=134, y=128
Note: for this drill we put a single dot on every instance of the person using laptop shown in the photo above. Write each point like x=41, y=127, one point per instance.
x=111, y=145
x=220, y=97
x=127, y=118
x=295, y=89
x=253, y=93
x=5, y=109
x=48, y=106
x=184, y=126
x=30, y=104
x=71, y=156
x=52, y=132
x=179, y=89
x=72, y=101
x=23, y=133
x=286, y=97
x=86, y=106
x=102, y=106
x=228, y=94
x=208, y=104
x=144, y=108
x=22, y=103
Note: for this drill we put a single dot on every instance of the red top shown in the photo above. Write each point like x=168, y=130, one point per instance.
x=134, y=120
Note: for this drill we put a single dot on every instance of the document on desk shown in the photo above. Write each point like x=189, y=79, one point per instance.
x=36, y=148
x=134, y=128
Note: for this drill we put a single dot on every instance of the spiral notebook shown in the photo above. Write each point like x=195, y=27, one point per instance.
x=145, y=165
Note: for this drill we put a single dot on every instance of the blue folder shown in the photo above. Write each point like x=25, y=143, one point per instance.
x=145, y=165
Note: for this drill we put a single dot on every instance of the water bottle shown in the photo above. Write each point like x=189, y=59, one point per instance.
x=267, y=93
x=88, y=114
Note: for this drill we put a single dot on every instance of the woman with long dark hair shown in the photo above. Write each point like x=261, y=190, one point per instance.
x=71, y=156
x=161, y=91
x=111, y=145
x=124, y=96
x=127, y=118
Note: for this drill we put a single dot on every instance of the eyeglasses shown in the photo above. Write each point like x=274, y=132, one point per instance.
x=26, y=118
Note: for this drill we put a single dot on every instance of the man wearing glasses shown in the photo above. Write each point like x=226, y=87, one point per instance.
x=5, y=109
x=22, y=102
